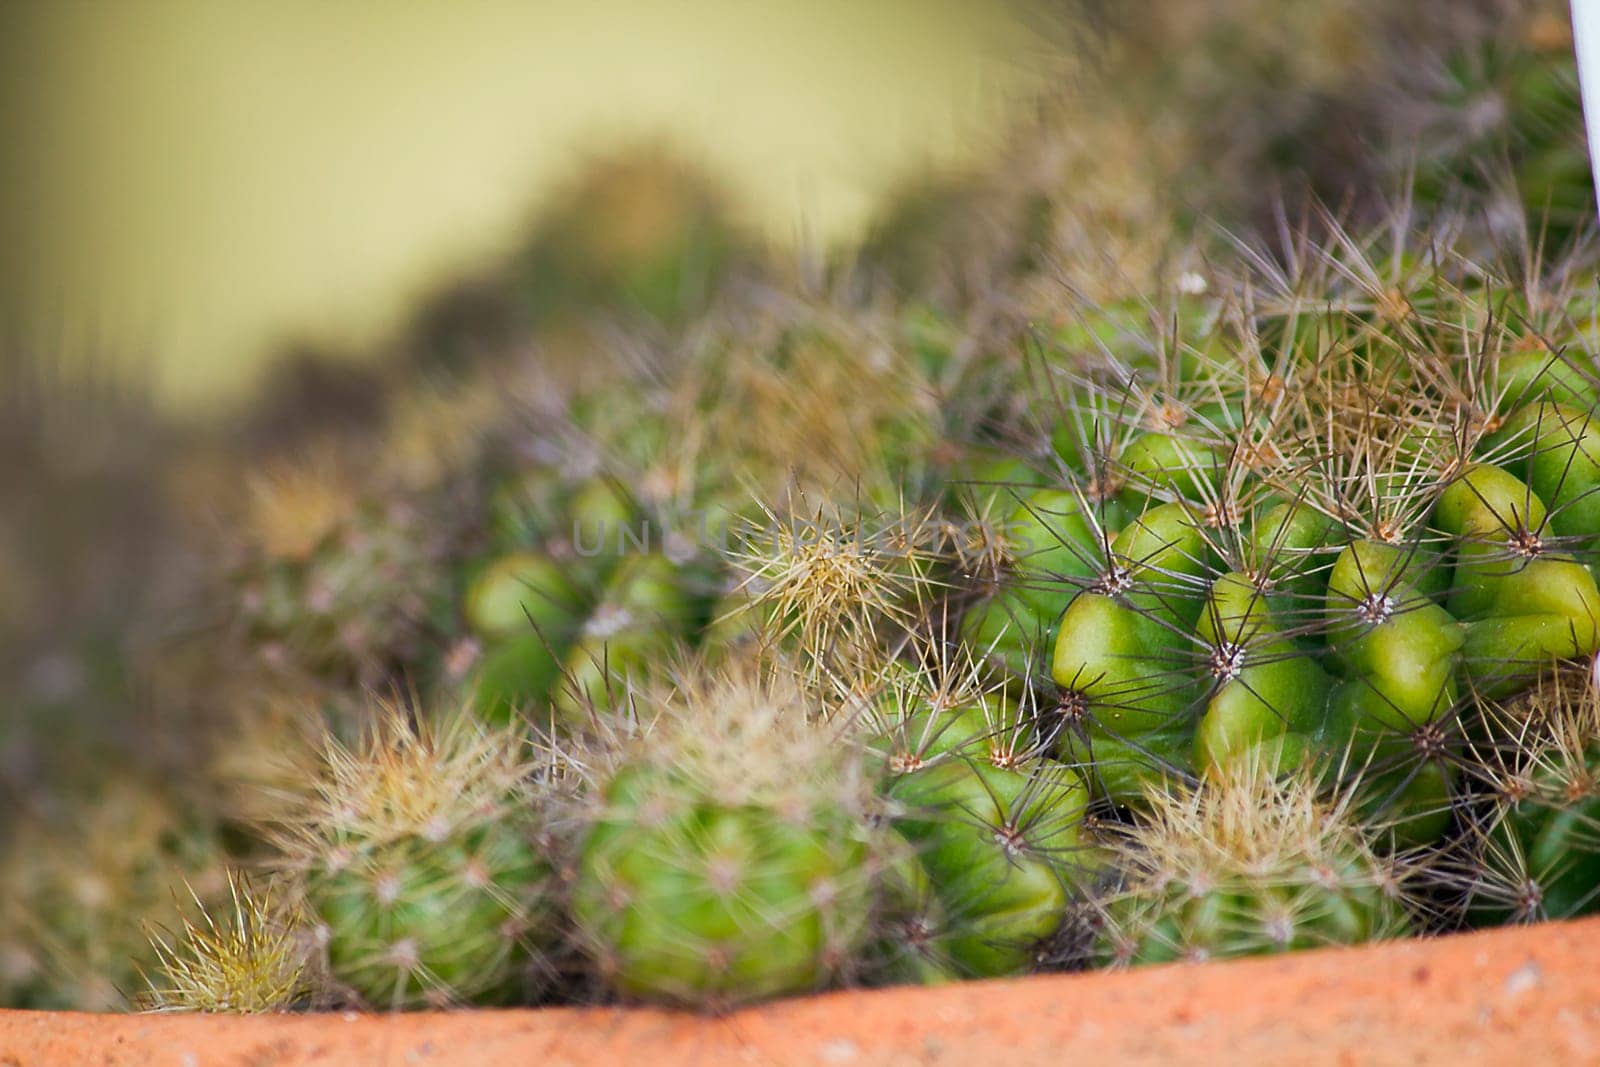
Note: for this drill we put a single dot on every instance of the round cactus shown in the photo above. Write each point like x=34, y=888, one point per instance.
x=838, y=584
x=1244, y=865
x=420, y=865
x=1122, y=661
x=728, y=858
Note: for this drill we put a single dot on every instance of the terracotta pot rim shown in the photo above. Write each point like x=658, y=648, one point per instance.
x=1512, y=995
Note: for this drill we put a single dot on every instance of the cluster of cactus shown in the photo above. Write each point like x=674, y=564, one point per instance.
x=873, y=637
x=749, y=835
x=1320, y=529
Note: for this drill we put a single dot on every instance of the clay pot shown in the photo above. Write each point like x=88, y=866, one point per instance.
x=1525, y=995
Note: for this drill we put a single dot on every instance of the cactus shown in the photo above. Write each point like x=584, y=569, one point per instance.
x=348, y=603
x=1244, y=865
x=728, y=857
x=420, y=863
x=1302, y=528
x=650, y=605
x=996, y=828
x=1536, y=848
x=1524, y=602
x=1121, y=659
x=1049, y=538
x=836, y=583
x=250, y=961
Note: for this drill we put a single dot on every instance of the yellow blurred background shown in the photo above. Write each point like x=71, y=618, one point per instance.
x=193, y=182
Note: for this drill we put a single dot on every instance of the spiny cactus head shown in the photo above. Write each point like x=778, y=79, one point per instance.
x=1247, y=863
x=419, y=862
x=1373, y=455
x=728, y=857
x=251, y=959
x=944, y=704
x=839, y=583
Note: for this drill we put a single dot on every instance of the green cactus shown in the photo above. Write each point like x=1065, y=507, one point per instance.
x=1247, y=864
x=1523, y=602
x=1536, y=849
x=420, y=863
x=1281, y=559
x=728, y=857
x=1122, y=661
x=1044, y=543
x=601, y=518
x=997, y=829
x=649, y=605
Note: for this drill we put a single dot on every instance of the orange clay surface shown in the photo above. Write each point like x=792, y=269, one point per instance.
x=1502, y=997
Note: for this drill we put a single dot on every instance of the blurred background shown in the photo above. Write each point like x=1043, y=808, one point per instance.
x=232, y=232
x=197, y=186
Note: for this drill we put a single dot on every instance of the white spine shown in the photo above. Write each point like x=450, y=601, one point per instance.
x=1586, y=36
